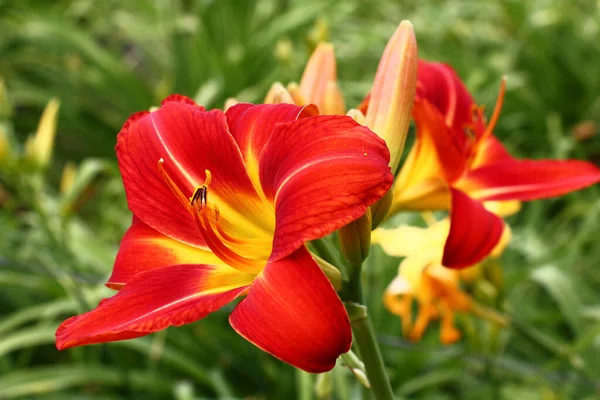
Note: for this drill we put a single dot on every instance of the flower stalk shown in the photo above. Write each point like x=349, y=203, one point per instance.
x=365, y=339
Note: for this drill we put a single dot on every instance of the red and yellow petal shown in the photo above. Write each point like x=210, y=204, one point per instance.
x=488, y=151
x=190, y=141
x=293, y=313
x=434, y=162
x=436, y=138
x=144, y=248
x=528, y=179
x=474, y=232
x=321, y=173
x=153, y=300
x=441, y=86
x=251, y=126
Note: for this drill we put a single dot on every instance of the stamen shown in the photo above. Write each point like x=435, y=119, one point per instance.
x=173, y=186
x=497, y=108
x=199, y=194
x=218, y=240
x=218, y=247
x=198, y=202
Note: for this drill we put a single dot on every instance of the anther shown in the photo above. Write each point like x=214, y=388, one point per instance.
x=199, y=194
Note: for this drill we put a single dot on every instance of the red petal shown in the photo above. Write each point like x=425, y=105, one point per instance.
x=436, y=140
x=190, y=141
x=529, y=179
x=178, y=98
x=489, y=151
x=474, y=232
x=321, y=173
x=154, y=300
x=251, y=126
x=144, y=248
x=440, y=85
x=293, y=313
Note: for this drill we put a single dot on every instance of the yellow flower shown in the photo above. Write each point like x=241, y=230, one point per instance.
x=422, y=278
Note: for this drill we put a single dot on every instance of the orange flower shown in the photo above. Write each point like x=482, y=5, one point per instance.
x=457, y=163
x=422, y=279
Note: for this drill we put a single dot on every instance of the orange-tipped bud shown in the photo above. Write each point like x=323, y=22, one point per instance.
x=391, y=101
x=294, y=91
x=319, y=72
x=333, y=100
x=278, y=94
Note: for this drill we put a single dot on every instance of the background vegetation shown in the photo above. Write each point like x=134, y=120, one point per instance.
x=107, y=59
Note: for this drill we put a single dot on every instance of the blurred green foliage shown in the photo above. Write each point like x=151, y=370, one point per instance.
x=107, y=59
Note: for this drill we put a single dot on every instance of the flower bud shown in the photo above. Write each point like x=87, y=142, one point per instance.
x=284, y=50
x=356, y=115
x=380, y=209
x=5, y=147
x=230, y=102
x=278, y=94
x=38, y=148
x=294, y=90
x=320, y=71
x=355, y=239
x=391, y=99
x=331, y=272
x=333, y=100
x=67, y=179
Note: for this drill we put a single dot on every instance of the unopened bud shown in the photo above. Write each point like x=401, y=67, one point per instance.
x=319, y=72
x=230, y=102
x=284, y=49
x=333, y=100
x=332, y=273
x=68, y=177
x=380, y=209
x=278, y=94
x=355, y=239
x=361, y=377
x=391, y=101
x=38, y=149
x=5, y=147
x=294, y=91
x=356, y=115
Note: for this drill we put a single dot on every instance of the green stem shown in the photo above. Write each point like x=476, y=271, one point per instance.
x=364, y=337
x=305, y=385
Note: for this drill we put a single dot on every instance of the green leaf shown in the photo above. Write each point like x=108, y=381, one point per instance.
x=37, y=381
x=560, y=287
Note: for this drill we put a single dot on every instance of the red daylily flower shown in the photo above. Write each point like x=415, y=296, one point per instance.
x=457, y=163
x=223, y=204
